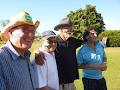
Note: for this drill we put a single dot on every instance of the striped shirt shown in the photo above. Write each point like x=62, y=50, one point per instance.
x=15, y=73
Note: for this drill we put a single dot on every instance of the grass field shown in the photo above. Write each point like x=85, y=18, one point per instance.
x=112, y=74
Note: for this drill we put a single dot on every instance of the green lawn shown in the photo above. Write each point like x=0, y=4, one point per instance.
x=112, y=74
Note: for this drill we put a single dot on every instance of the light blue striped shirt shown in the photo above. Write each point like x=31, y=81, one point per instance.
x=16, y=73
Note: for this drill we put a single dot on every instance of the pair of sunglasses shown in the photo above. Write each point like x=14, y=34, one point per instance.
x=51, y=41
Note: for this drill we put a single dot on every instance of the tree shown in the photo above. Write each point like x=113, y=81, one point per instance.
x=84, y=18
x=3, y=24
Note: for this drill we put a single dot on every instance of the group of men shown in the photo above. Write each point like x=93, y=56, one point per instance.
x=16, y=70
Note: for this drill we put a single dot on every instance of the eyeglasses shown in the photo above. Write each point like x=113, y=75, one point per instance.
x=94, y=33
x=25, y=29
x=67, y=32
x=51, y=41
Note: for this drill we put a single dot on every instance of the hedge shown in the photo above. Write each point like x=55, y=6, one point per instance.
x=113, y=37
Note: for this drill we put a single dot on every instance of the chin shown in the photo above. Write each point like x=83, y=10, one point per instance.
x=52, y=50
x=26, y=47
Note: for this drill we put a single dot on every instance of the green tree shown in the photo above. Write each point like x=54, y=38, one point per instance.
x=84, y=18
x=2, y=24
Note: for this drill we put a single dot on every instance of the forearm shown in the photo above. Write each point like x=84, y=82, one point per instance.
x=101, y=67
x=43, y=88
x=39, y=58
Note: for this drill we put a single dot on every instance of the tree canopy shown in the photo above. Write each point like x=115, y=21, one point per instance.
x=84, y=18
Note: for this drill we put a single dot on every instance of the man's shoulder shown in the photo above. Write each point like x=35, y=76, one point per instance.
x=73, y=38
x=100, y=44
x=59, y=38
x=3, y=53
x=83, y=48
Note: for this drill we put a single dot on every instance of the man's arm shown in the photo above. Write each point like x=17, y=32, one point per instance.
x=101, y=67
x=2, y=82
x=39, y=57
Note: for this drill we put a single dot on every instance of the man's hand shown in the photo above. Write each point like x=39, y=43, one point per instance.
x=103, y=67
x=39, y=57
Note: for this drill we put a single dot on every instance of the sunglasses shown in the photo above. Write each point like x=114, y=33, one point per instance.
x=51, y=41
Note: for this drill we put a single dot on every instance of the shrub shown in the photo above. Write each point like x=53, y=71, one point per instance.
x=113, y=37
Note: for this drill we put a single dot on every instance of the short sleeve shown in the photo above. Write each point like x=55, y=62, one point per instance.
x=41, y=76
x=79, y=57
x=78, y=43
x=104, y=56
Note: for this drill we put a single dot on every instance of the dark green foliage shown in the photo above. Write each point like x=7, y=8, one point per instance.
x=113, y=36
x=84, y=18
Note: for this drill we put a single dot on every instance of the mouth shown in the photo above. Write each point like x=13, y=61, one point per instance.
x=28, y=40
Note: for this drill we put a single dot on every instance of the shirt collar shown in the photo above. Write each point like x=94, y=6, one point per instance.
x=12, y=49
x=14, y=53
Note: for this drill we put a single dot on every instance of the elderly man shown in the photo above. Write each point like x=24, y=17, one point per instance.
x=66, y=55
x=16, y=71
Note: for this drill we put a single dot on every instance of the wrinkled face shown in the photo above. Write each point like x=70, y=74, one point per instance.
x=22, y=36
x=50, y=44
x=66, y=32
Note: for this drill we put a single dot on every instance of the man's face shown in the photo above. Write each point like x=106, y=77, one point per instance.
x=66, y=32
x=94, y=33
x=92, y=36
x=22, y=36
x=50, y=44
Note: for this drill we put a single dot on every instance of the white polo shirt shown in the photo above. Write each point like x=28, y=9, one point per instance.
x=47, y=73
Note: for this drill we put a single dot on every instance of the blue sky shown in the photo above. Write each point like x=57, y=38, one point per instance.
x=49, y=12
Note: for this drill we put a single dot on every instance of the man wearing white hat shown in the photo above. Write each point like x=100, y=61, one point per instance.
x=16, y=71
